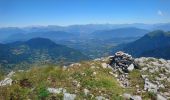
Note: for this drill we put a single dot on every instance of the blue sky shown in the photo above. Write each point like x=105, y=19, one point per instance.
x=68, y=12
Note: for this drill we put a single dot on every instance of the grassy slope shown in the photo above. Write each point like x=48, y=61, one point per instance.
x=100, y=84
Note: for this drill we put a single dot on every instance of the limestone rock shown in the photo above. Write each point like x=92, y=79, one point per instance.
x=144, y=68
x=127, y=96
x=11, y=74
x=76, y=83
x=104, y=65
x=131, y=67
x=6, y=81
x=136, y=97
x=56, y=90
x=68, y=96
x=150, y=86
x=100, y=98
x=160, y=97
x=86, y=91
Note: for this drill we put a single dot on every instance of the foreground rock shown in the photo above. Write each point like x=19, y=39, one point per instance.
x=160, y=97
x=68, y=96
x=56, y=90
x=123, y=61
x=150, y=86
x=130, y=97
x=6, y=81
x=155, y=74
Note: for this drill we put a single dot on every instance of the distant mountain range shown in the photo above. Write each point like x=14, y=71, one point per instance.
x=61, y=35
x=154, y=44
x=37, y=51
x=80, y=30
x=52, y=35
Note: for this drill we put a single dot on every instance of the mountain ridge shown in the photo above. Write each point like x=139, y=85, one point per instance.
x=153, y=40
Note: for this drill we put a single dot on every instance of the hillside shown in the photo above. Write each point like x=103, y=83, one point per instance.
x=38, y=51
x=163, y=52
x=155, y=40
x=90, y=80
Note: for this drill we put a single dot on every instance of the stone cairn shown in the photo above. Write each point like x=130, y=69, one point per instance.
x=122, y=61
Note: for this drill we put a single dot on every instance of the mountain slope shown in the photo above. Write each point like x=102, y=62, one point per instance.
x=37, y=50
x=163, y=52
x=153, y=40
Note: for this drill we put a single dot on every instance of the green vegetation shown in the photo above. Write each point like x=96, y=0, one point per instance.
x=147, y=46
x=40, y=78
x=22, y=55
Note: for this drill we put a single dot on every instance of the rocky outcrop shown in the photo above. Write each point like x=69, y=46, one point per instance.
x=155, y=73
x=150, y=86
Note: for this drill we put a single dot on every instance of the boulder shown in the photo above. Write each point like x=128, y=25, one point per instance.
x=131, y=67
x=68, y=96
x=6, y=81
x=163, y=61
x=168, y=79
x=111, y=73
x=136, y=97
x=100, y=98
x=144, y=68
x=94, y=73
x=76, y=83
x=104, y=65
x=160, y=97
x=11, y=74
x=56, y=90
x=150, y=86
x=92, y=67
x=167, y=66
x=126, y=96
x=86, y=91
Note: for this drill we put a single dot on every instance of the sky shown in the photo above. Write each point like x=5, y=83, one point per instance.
x=68, y=12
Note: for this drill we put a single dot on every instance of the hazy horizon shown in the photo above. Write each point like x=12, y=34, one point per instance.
x=22, y=13
x=83, y=24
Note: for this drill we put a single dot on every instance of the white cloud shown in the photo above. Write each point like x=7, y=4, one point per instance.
x=160, y=13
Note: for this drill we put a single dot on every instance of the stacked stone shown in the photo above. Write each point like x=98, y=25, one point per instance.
x=123, y=61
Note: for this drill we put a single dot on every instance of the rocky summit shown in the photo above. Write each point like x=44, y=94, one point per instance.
x=117, y=77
